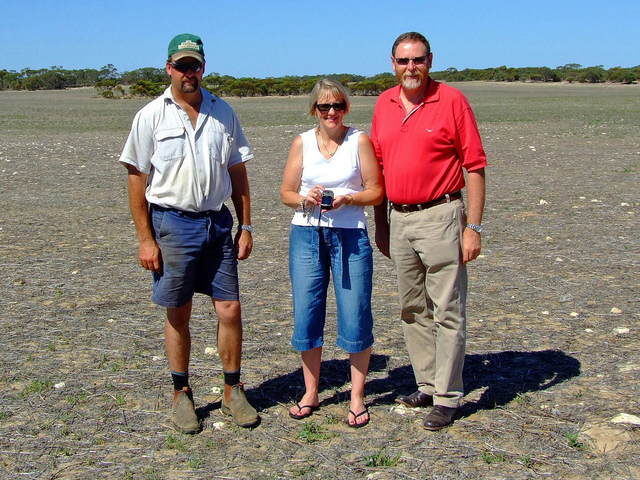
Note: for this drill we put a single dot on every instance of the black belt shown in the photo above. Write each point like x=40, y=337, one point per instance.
x=186, y=213
x=414, y=207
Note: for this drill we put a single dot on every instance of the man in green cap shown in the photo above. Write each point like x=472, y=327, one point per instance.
x=185, y=157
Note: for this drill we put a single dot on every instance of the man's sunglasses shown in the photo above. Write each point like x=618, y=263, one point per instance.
x=325, y=107
x=416, y=60
x=195, y=67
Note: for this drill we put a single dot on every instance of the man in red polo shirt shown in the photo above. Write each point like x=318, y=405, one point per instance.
x=425, y=134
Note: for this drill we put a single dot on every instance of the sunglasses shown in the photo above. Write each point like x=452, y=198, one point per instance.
x=195, y=67
x=416, y=60
x=325, y=107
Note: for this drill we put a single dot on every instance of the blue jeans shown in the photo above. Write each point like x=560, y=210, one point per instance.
x=346, y=254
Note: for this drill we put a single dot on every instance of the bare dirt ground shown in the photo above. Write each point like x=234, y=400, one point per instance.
x=553, y=308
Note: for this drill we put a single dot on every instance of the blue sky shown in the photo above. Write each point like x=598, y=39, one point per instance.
x=275, y=38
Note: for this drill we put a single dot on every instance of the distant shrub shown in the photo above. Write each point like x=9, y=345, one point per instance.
x=109, y=88
x=146, y=88
x=106, y=83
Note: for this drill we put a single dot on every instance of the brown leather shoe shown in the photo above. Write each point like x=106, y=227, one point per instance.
x=439, y=417
x=416, y=399
x=184, y=416
x=238, y=407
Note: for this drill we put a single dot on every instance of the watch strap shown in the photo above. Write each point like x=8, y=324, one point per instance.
x=475, y=227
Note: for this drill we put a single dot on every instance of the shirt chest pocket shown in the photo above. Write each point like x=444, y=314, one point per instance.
x=170, y=145
x=220, y=147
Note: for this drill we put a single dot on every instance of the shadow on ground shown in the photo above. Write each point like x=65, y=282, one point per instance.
x=505, y=375
x=502, y=375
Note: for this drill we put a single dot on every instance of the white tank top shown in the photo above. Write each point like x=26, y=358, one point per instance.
x=340, y=173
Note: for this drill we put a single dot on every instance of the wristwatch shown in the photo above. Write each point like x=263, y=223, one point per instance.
x=248, y=228
x=474, y=227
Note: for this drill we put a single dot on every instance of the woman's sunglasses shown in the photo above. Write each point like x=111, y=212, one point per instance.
x=325, y=107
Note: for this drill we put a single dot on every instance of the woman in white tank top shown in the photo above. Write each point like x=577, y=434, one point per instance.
x=331, y=241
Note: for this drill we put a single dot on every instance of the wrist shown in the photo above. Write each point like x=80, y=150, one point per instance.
x=349, y=198
x=246, y=227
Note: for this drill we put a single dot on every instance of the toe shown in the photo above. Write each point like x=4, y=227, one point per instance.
x=362, y=419
x=358, y=418
x=300, y=410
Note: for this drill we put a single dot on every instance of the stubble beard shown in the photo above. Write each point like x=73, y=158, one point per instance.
x=190, y=87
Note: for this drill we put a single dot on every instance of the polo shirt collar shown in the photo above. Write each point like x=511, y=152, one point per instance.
x=433, y=91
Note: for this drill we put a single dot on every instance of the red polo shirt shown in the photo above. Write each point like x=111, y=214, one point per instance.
x=422, y=152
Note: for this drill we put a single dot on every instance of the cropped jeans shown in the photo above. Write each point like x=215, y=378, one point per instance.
x=315, y=255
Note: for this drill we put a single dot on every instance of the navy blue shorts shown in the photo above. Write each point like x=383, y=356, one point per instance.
x=198, y=255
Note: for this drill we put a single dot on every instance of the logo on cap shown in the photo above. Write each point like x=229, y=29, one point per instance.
x=189, y=44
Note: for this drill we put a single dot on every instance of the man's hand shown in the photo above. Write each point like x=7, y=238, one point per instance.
x=243, y=243
x=470, y=245
x=150, y=256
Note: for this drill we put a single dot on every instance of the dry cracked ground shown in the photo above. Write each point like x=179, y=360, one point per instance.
x=552, y=358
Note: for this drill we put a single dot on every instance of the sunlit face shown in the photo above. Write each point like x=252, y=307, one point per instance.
x=188, y=81
x=413, y=75
x=332, y=118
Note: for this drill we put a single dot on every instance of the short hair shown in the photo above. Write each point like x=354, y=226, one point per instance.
x=326, y=85
x=410, y=37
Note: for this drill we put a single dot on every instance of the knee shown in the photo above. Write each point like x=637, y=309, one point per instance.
x=228, y=311
x=178, y=317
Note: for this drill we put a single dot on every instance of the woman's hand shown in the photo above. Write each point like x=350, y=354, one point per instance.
x=341, y=200
x=314, y=197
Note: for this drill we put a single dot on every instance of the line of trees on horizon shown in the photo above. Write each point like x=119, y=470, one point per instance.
x=150, y=81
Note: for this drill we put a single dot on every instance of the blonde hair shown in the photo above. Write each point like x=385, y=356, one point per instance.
x=333, y=87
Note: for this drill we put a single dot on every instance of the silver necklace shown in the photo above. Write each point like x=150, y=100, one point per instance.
x=331, y=154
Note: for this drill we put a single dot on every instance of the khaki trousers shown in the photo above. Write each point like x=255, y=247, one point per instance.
x=425, y=247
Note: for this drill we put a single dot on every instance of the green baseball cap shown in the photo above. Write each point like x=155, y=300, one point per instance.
x=186, y=45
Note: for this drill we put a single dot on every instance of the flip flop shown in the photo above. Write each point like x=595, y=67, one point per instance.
x=356, y=415
x=300, y=416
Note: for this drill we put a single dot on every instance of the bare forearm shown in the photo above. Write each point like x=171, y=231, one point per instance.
x=149, y=252
x=240, y=194
x=291, y=199
x=139, y=207
x=242, y=206
x=475, y=196
x=369, y=196
x=243, y=240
